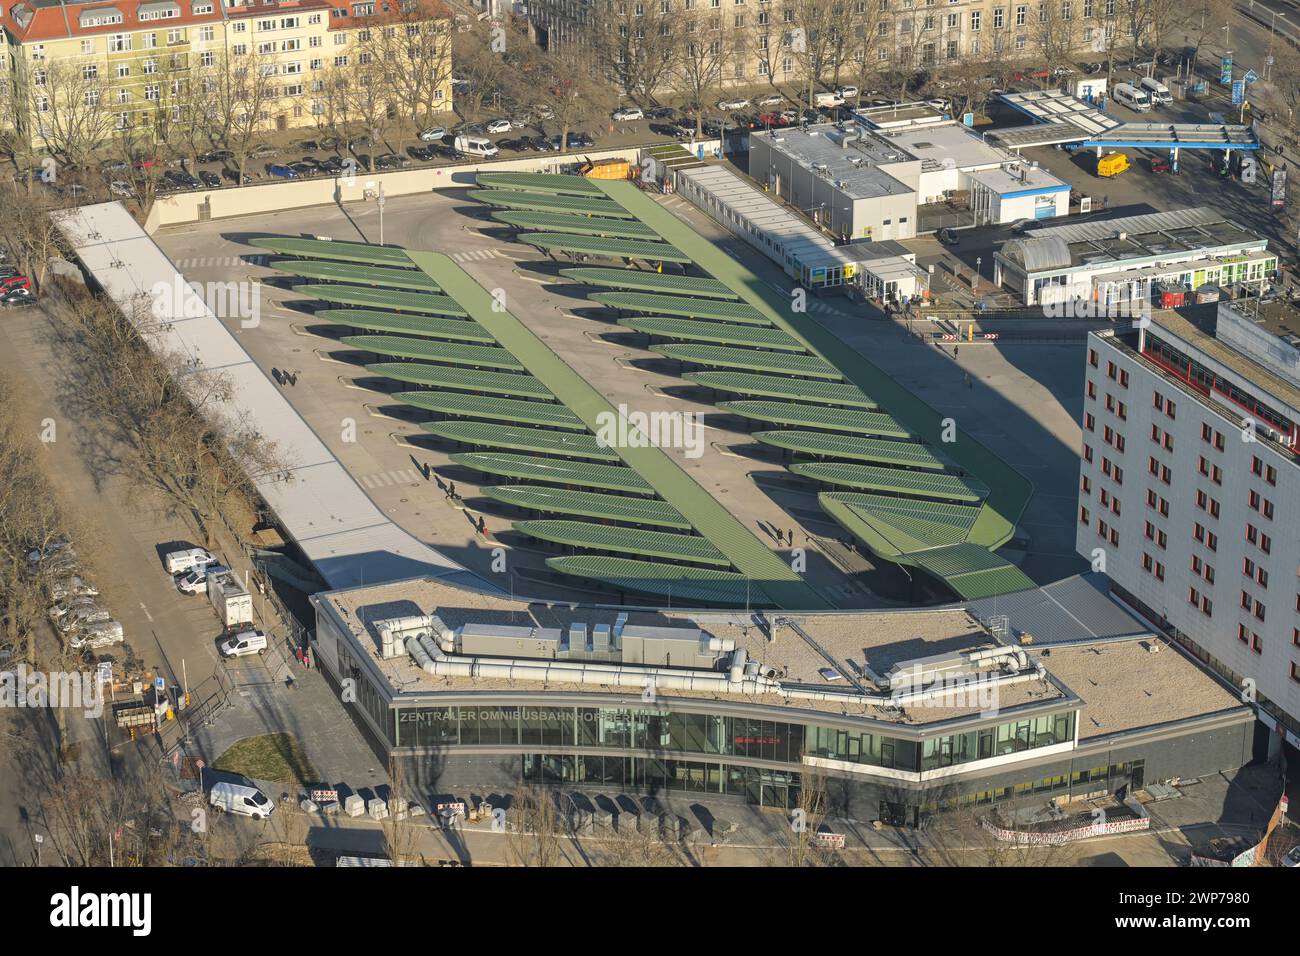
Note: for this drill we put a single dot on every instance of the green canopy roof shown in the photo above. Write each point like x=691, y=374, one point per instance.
x=894, y=527
x=973, y=572
x=340, y=251
x=542, y=203
x=590, y=504
x=640, y=279
x=521, y=438
x=681, y=306
x=778, y=362
x=599, y=246
x=818, y=416
x=536, y=468
x=450, y=353
x=465, y=379
x=578, y=225
x=496, y=409
x=719, y=332
x=603, y=537
x=898, y=480
x=407, y=324
x=672, y=581
x=383, y=299
x=357, y=273
x=825, y=445
x=779, y=386
x=539, y=183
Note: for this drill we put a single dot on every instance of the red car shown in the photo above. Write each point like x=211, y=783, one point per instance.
x=14, y=282
x=1161, y=166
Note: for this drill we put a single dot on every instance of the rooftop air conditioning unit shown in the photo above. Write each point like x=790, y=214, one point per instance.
x=1121, y=236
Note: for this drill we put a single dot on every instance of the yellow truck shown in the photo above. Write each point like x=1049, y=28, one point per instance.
x=607, y=169
x=1112, y=164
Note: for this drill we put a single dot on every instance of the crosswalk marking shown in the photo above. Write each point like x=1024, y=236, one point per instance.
x=202, y=262
x=475, y=254
x=388, y=479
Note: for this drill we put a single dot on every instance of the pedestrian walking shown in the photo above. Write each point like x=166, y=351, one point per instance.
x=482, y=525
x=954, y=351
x=451, y=490
x=275, y=374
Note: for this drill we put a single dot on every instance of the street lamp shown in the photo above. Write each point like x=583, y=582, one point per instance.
x=978, y=261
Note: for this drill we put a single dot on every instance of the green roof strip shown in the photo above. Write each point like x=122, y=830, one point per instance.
x=779, y=386
x=358, y=274
x=611, y=248
x=521, y=438
x=400, y=323
x=897, y=480
x=776, y=362
x=818, y=416
x=674, y=582
x=383, y=299
x=644, y=281
x=651, y=544
x=682, y=306
x=578, y=225
x=449, y=353
x=973, y=572
x=539, y=183
x=494, y=409
x=893, y=527
x=904, y=454
x=340, y=251
x=590, y=504
x=508, y=199
x=537, y=468
x=1009, y=491
x=464, y=379
x=716, y=332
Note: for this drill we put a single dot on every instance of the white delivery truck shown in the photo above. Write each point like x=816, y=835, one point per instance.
x=178, y=562
x=231, y=601
x=1158, y=92
x=475, y=146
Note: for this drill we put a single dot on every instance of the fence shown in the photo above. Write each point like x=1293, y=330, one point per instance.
x=1058, y=837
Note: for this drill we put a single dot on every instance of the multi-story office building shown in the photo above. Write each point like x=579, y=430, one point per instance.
x=92, y=67
x=893, y=713
x=1188, y=472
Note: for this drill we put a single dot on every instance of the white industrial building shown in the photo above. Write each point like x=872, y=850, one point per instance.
x=1189, y=481
x=878, y=270
x=1115, y=264
x=862, y=183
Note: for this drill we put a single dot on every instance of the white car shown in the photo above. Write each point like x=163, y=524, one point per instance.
x=103, y=634
x=732, y=104
x=195, y=581
x=247, y=642
x=847, y=92
x=940, y=103
x=628, y=113
x=72, y=587
x=499, y=126
x=433, y=134
x=119, y=188
x=772, y=99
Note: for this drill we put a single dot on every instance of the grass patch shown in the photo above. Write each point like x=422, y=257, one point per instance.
x=275, y=757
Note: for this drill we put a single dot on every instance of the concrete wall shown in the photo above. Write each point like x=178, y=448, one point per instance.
x=271, y=197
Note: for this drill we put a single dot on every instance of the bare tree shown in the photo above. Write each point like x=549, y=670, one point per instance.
x=705, y=58
x=69, y=102
x=240, y=89
x=1055, y=36
x=637, y=45
x=812, y=38
x=413, y=43
x=534, y=830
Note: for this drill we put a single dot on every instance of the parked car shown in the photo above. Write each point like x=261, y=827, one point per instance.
x=521, y=120
x=356, y=141
x=281, y=170
x=772, y=99
x=115, y=166
x=182, y=179
x=70, y=587
x=309, y=146
x=210, y=179
x=311, y=162
x=391, y=161
x=627, y=114
x=661, y=112
x=234, y=177
x=422, y=154
x=61, y=609
x=17, y=297
x=433, y=134
x=847, y=92
x=243, y=644
x=195, y=580
x=264, y=152
x=541, y=144
x=237, y=798
x=82, y=615
x=513, y=145
x=665, y=129
x=948, y=236
x=14, y=282
x=729, y=105
x=333, y=165
x=100, y=634
x=498, y=126
x=576, y=141
x=1161, y=166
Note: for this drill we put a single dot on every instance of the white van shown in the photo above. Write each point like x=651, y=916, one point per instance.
x=1132, y=97
x=178, y=562
x=828, y=99
x=1158, y=92
x=247, y=642
x=238, y=798
x=475, y=146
